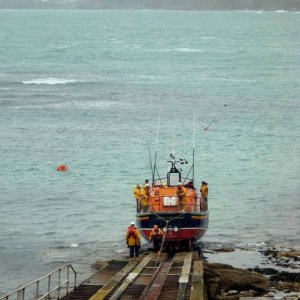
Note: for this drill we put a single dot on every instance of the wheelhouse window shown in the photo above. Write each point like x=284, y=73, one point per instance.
x=174, y=179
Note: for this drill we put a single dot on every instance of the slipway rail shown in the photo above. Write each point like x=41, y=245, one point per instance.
x=150, y=277
x=54, y=285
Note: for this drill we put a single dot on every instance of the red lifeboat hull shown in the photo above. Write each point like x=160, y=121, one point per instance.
x=177, y=226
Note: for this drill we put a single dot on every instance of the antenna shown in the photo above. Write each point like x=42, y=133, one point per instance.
x=194, y=128
x=217, y=114
x=157, y=135
x=152, y=172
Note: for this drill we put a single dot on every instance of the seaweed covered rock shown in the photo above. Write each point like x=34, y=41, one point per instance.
x=281, y=280
x=283, y=258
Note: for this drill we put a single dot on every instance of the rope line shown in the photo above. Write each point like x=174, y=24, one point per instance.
x=75, y=172
x=217, y=114
x=167, y=223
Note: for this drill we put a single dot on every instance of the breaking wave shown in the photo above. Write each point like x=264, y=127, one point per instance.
x=49, y=80
x=183, y=50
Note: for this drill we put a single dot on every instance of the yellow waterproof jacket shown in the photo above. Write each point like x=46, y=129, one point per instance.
x=145, y=196
x=133, y=240
x=137, y=193
x=204, y=191
x=156, y=235
x=181, y=193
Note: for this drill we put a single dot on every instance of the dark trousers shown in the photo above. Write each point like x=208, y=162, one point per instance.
x=134, y=250
x=156, y=244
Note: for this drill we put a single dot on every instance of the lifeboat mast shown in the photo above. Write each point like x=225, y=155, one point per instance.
x=173, y=169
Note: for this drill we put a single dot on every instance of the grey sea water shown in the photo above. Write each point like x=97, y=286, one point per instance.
x=86, y=87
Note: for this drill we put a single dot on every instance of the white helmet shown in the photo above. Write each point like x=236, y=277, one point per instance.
x=132, y=223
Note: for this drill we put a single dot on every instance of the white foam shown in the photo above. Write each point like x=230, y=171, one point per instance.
x=74, y=245
x=120, y=251
x=252, y=11
x=261, y=244
x=207, y=37
x=49, y=80
x=183, y=50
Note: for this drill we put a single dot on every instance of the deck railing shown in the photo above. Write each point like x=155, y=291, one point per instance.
x=196, y=204
x=42, y=288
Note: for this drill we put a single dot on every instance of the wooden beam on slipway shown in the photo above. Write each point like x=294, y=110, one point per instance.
x=114, y=281
x=131, y=277
x=184, y=277
x=197, y=289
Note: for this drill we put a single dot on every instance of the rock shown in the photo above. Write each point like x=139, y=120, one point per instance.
x=208, y=251
x=217, y=266
x=273, y=253
x=286, y=276
x=291, y=254
x=232, y=292
x=265, y=271
x=220, y=277
x=213, y=288
x=242, y=280
x=291, y=297
x=287, y=286
x=224, y=249
x=294, y=267
x=227, y=297
x=236, y=296
x=247, y=294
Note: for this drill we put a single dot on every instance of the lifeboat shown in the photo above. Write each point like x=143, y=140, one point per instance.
x=184, y=220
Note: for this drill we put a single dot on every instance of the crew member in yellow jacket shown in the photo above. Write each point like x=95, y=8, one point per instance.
x=145, y=196
x=181, y=192
x=156, y=236
x=137, y=196
x=204, y=194
x=133, y=240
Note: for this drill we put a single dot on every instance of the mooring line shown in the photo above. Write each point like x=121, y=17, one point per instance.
x=75, y=172
x=167, y=222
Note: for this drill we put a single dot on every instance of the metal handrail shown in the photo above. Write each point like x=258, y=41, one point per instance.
x=198, y=201
x=20, y=292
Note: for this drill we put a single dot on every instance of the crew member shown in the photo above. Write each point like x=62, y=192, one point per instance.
x=156, y=236
x=137, y=196
x=133, y=240
x=145, y=195
x=181, y=192
x=204, y=193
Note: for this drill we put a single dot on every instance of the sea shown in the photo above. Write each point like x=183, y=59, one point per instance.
x=106, y=91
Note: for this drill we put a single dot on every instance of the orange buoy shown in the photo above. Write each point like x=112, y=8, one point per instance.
x=62, y=168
